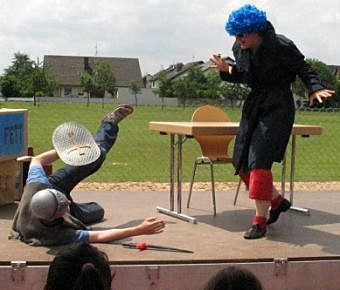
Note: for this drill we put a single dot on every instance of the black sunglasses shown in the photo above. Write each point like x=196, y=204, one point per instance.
x=240, y=35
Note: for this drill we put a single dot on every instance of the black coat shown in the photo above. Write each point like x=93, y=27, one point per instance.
x=268, y=112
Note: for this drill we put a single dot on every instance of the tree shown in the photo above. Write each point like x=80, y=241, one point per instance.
x=324, y=72
x=336, y=96
x=87, y=82
x=165, y=88
x=104, y=78
x=325, y=75
x=99, y=81
x=182, y=90
x=26, y=78
x=22, y=66
x=135, y=89
x=235, y=92
x=10, y=86
x=37, y=84
x=196, y=84
x=40, y=84
x=214, y=87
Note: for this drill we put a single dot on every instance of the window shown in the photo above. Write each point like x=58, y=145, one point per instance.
x=67, y=92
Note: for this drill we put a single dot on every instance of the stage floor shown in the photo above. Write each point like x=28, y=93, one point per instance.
x=213, y=239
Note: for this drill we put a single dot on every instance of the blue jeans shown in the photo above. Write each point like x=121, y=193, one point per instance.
x=67, y=177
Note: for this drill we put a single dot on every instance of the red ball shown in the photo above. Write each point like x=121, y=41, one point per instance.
x=141, y=246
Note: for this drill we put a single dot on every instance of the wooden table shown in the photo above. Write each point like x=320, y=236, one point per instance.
x=178, y=131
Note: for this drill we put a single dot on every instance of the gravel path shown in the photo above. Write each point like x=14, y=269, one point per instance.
x=203, y=186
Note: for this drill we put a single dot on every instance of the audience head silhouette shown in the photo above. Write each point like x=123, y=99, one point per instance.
x=233, y=278
x=81, y=267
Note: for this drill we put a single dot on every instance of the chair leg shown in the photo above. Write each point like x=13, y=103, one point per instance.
x=237, y=191
x=213, y=187
x=191, y=184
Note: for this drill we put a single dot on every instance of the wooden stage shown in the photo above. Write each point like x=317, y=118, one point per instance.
x=299, y=251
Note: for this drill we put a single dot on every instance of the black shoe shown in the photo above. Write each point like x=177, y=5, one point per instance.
x=255, y=232
x=275, y=213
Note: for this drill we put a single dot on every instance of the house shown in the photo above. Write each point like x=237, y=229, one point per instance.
x=67, y=71
x=173, y=72
x=178, y=71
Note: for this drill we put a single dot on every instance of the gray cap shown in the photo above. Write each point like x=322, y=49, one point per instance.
x=75, y=144
x=47, y=203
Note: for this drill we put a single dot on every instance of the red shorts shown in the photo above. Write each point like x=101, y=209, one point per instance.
x=259, y=182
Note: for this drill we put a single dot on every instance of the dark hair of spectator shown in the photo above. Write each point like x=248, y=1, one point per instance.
x=233, y=278
x=81, y=267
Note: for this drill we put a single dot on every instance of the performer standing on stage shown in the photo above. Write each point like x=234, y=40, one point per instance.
x=268, y=63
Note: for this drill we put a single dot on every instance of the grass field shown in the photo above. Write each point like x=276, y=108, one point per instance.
x=143, y=155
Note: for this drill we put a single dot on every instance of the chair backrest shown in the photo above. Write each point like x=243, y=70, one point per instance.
x=214, y=147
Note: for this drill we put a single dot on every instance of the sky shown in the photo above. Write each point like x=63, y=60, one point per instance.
x=157, y=32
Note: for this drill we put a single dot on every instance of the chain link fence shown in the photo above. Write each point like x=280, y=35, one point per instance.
x=141, y=155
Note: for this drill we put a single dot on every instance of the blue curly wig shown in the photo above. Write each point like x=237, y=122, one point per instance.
x=247, y=19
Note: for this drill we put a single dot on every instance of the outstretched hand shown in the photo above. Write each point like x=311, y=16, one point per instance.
x=150, y=226
x=320, y=95
x=220, y=63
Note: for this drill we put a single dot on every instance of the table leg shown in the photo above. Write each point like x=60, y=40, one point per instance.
x=292, y=178
x=179, y=173
x=172, y=172
x=171, y=211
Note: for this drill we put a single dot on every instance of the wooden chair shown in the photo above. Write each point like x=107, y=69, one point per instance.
x=214, y=149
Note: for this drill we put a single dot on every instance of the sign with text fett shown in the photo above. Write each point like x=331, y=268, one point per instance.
x=12, y=134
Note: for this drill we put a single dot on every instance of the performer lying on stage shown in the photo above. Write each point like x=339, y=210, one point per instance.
x=47, y=215
x=268, y=63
